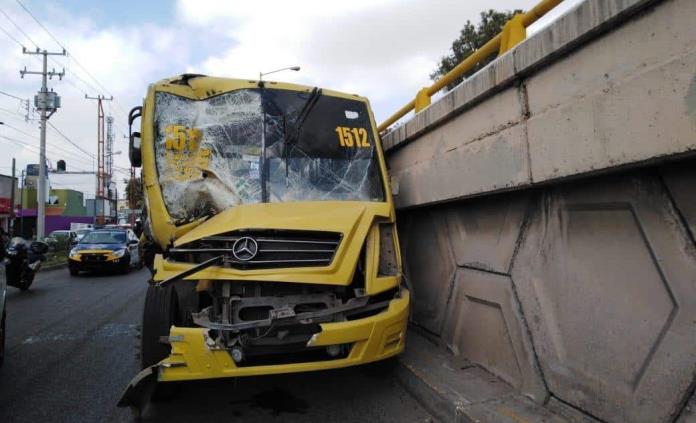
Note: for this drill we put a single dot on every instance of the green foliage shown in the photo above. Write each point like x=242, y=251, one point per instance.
x=470, y=39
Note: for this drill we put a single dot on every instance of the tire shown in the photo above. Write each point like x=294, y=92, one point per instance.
x=27, y=280
x=126, y=267
x=159, y=315
x=2, y=336
x=73, y=271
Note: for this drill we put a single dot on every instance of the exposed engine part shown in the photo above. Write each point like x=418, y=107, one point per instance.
x=285, y=316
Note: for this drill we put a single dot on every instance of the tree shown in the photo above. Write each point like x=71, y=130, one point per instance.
x=470, y=39
x=134, y=193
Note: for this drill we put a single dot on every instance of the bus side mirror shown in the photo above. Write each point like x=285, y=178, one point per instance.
x=134, y=138
x=134, y=150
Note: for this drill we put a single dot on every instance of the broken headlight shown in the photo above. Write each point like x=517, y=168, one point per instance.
x=388, y=265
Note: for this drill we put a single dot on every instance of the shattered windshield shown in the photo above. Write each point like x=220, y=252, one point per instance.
x=252, y=146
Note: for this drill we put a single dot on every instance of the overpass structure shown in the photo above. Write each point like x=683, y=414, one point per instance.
x=548, y=218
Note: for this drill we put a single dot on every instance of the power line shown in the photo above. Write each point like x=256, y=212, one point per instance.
x=69, y=140
x=18, y=130
x=62, y=152
x=11, y=37
x=13, y=96
x=18, y=27
x=77, y=62
x=74, y=59
x=11, y=112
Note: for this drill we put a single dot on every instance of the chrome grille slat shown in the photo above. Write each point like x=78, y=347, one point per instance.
x=286, y=261
x=297, y=240
x=264, y=250
x=276, y=248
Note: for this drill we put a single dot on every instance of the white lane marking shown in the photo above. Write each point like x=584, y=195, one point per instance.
x=109, y=330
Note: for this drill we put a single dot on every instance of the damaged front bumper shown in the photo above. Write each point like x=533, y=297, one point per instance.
x=195, y=356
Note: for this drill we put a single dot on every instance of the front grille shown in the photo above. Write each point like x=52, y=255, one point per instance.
x=93, y=258
x=275, y=248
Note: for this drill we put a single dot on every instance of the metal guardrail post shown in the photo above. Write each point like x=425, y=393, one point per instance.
x=422, y=99
x=513, y=33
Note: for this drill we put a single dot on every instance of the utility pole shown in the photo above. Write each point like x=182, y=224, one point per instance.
x=101, y=180
x=10, y=227
x=21, y=207
x=47, y=102
x=110, y=165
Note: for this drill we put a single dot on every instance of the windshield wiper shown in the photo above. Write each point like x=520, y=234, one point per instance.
x=294, y=134
x=302, y=116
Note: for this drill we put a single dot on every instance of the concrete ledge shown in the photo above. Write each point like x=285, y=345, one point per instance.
x=589, y=19
x=609, y=86
x=455, y=390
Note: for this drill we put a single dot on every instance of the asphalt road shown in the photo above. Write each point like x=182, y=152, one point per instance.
x=72, y=346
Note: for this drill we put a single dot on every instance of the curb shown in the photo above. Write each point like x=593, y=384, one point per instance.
x=452, y=389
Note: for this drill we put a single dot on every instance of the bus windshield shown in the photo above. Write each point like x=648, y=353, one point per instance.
x=263, y=145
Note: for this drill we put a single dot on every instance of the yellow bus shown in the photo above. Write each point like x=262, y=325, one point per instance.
x=272, y=226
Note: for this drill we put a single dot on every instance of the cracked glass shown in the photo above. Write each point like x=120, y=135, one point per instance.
x=256, y=145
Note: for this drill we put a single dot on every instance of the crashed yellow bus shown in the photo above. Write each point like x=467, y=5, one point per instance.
x=273, y=230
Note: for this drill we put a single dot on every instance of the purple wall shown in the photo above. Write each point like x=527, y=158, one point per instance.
x=54, y=223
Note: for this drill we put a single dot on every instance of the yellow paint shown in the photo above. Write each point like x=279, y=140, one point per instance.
x=513, y=33
x=108, y=253
x=164, y=230
x=516, y=33
x=422, y=99
x=352, y=137
x=353, y=219
x=374, y=338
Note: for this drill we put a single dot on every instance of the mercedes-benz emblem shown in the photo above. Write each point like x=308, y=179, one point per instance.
x=245, y=248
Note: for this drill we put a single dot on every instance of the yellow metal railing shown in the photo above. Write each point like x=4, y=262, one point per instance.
x=514, y=32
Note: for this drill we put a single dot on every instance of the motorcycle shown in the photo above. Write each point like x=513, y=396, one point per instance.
x=22, y=261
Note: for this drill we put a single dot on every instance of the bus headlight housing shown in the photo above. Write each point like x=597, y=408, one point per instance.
x=388, y=264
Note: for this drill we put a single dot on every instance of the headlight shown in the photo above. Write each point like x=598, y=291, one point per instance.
x=388, y=264
x=119, y=253
x=74, y=252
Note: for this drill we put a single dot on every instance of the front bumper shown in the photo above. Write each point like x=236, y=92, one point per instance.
x=373, y=338
x=108, y=263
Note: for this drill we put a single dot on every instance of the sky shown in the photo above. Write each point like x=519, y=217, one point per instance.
x=381, y=49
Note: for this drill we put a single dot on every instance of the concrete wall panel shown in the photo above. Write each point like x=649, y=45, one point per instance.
x=429, y=266
x=495, y=162
x=484, y=231
x=619, y=121
x=484, y=325
x=661, y=35
x=610, y=84
x=606, y=278
x=680, y=179
x=487, y=118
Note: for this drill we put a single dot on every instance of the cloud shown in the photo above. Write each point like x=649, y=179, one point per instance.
x=383, y=49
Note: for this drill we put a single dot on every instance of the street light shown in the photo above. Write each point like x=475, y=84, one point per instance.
x=292, y=68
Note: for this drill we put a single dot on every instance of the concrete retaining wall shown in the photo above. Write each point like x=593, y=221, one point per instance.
x=611, y=84
x=585, y=290
x=547, y=212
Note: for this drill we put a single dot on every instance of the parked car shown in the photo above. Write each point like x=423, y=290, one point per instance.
x=81, y=233
x=105, y=249
x=60, y=239
x=3, y=308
